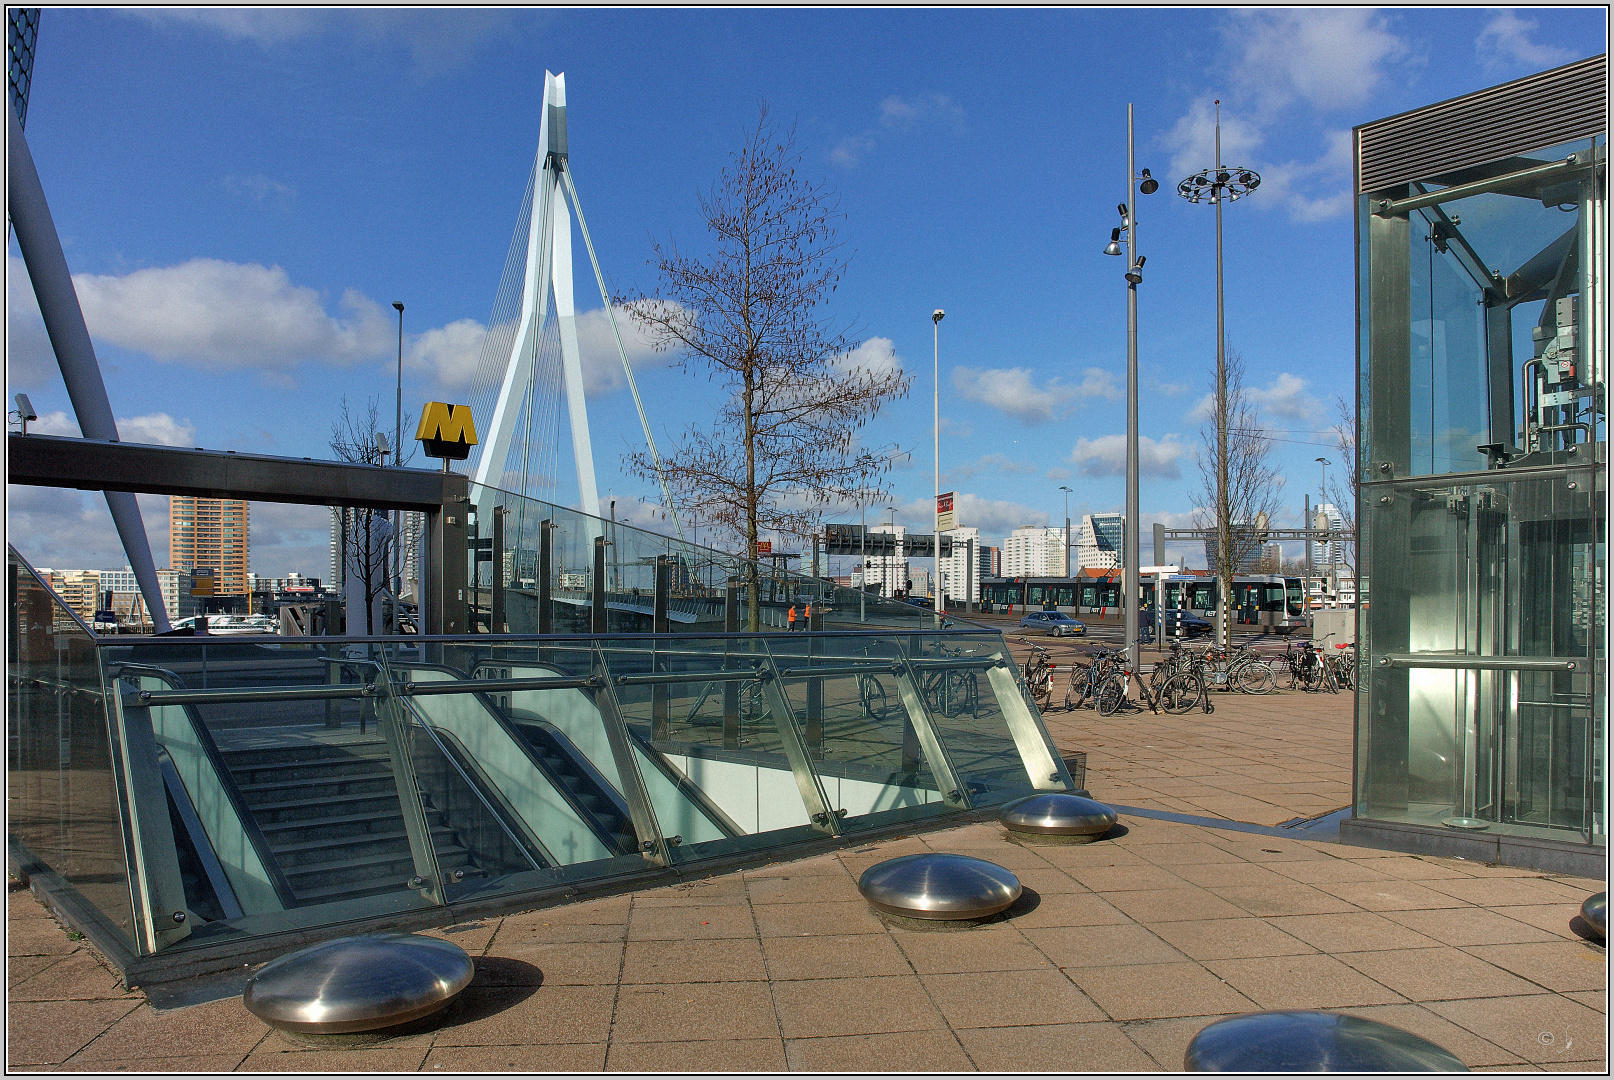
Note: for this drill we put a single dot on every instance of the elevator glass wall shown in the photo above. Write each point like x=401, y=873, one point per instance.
x=1483, y=469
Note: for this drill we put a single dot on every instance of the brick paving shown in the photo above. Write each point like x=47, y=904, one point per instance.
x=1118, y=953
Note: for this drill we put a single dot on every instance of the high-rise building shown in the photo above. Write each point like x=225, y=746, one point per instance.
x=991, y=562
x=79, y=590
x=888, y=572
x=956, y=576
x=1247, y=549
x=1101, y=542
x=1330, y=553
x=1034, y=551
x=211, y=534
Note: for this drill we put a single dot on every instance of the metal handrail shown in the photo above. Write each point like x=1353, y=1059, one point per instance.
x=1489, y=663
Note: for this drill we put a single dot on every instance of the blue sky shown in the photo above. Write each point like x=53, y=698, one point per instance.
x=241, y=195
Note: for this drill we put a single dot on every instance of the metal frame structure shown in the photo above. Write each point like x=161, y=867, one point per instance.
x=114, y=467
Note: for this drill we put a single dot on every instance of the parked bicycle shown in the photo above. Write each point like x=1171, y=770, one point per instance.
x=1038, y=673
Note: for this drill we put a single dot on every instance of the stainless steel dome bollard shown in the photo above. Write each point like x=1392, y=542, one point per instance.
x=1059, y=816
x=939, y=886
x=358, y=984
x=1306, y=1041
x=1595, y=911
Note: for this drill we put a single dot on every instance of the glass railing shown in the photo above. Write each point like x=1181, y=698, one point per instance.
x=699, y=577
x=289, y=784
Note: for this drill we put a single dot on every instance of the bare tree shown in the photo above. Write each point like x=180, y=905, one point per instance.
x=1343, y=494
x=367, y=535
x=749, y=314
x=1253, y=485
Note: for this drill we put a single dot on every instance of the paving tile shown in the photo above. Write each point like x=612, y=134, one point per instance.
x=1313, y=871
x=19, y=968
x=1103, y=879
x=1154, y=991
x=1094, y=946
x=1556, y=965
x=549, y=1014
x=1166, y=1041
x=1555, y=919
x=1276, y=900
x=1387, y=894
x=514, y=934
x=46, y=1033
x=554, y=1057
x=38, y=937
x=1468, y=926
x=76, y=977
x=1069, y=909
x=1174, y=854
x=1502, y=892
x=1414, y=868
x=997, y=948
x=581, y=963
x=707, y=890
x=726, y=1055
x=905, y=1052
x=1050, y=881
x=806, y=889
x=1437, y=974
x=1352, y=931
x=215, y=1027
x=473, y=937
x=1170, y=905
x=190, y=1064
x=672, y=1012
x=833, y=918
x=1225, y=939
x=824, y=956
x=1086, y=1048
x=1010, y=998
x=729, y=960
x=1541, y=1028
x=1311, y=981
x=1592, y=999
x=1242, y=874
x=685, y=922
x=1471, y=1049
x=360, y=1059
x=821, y=1007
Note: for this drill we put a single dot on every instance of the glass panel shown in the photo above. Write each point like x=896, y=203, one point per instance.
x=1507, y=569
x=62, y=803
x=297, y=800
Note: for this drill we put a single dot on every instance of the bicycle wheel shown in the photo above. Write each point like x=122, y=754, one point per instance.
x=1254, y=677
x=1111, y=694
x=1180, y=694
x=873, y=695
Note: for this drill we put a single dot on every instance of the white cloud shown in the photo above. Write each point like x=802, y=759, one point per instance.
x=158, y=428
x=1106, y=456
x=30, y=360
x=1505, y=44
x=997, y=463
x=263, y=26
x=1286, y=397
x=1282, y=65
x=1012, y=391
x=896, y=114
x=995, y=518
x=876, y=356
x=215, y=314
x=449, y=354
x=259, y=188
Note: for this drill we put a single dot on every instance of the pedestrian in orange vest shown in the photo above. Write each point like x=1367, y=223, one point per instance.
x=807, y=618
x=792, y=617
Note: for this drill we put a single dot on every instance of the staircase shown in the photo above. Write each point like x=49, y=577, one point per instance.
x=333, y=821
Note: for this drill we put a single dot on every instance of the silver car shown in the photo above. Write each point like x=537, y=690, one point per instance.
x=1053, y=623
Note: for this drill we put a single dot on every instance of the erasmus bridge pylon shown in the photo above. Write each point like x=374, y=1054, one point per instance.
x=531, y=354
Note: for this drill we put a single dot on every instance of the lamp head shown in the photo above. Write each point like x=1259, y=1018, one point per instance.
x=399, y=305
x=938, y=315
x=1120, y=208
x=1114, y=246
x=1150, y=185
x=381, y=445
x=1135, y=274
x=25, y=408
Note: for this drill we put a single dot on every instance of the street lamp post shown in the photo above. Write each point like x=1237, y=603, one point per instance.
x=890, y=566
x=1322, y=497
x=935, y=328
x=397, y=459
x=1146, y=185
x=1219, y=184
x=1066, y=490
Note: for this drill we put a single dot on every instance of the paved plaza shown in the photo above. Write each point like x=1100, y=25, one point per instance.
x=1117, y=954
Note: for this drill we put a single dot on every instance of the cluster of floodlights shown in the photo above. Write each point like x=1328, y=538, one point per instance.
x=1212, y=184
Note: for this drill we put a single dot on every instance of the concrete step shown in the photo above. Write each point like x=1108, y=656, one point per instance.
x=318, y=769
x=316, y=751
x=325, y=788
x=300, y=810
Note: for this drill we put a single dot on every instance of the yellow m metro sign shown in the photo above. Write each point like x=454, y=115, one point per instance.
x=446, y=431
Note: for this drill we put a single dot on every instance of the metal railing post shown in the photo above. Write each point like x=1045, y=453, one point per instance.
x=428, y=880
x=923, y=731
x=597, y=599
x=661, y=694
x=653, y=846
x=815, y=687
x=731, y=691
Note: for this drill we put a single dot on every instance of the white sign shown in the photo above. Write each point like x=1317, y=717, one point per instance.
x=944, y=513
